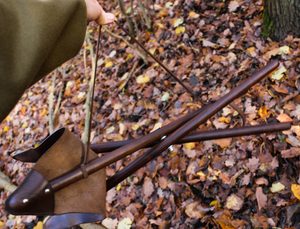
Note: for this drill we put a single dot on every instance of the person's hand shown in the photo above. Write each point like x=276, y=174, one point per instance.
x=96, y=13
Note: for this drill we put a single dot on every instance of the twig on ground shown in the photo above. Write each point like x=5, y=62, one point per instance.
x=137, y=49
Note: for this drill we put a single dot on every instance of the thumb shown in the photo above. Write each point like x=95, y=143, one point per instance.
x=105, y=18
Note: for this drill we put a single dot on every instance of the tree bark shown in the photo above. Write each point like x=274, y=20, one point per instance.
x=281, y=17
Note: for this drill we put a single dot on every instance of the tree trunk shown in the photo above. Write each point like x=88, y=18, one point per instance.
x=281, y=17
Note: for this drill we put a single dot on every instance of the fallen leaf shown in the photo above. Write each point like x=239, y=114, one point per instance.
x=253, y=164
x=263, y=112
x=278, y=74
x=180, y=30
x=223, y=143
x=277, y=187
x=142, y=79
x=281, y=89
x=225, y=120
x=251, y=51
x=193, y=15
x=284, y=50
x=110, y=223
x=296, y=112
x=148, y=187
x=207, y=43
x=261, y=198
x=39, y=225
x=125, y=224
x=190, y=145
x=234, y=202
x=195, y=210
x=290, y=153
x=284, y=118
x=293, y=140
x=261, y=181
x=163, y=182
x=233, y=5
x=226, y=222
x=177, y=22
x=165, y=97
x=156, y=126
x=296, y=190
x=108, y=63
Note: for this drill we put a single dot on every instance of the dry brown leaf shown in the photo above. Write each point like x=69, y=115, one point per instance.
x=290, y=153
x=226, y=222
x=261, y=198
x=284, y=118
x=195, y=210
x=280, y=89
x=148, y=187
x=233, y=5
x=234, y=202
x=223, y=143
x=253, y=164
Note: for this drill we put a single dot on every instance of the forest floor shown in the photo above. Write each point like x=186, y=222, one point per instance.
x=244, y=182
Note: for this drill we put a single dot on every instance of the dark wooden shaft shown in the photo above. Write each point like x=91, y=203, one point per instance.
x=99, y=163
x=199, y=136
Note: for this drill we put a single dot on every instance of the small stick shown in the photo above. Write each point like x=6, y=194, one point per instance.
x=89, y=103
x=158, y=61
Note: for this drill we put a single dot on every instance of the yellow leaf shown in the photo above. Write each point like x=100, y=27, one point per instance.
x=142, y=79
x=2, y=224
x=177, y=22
x=215, y=203
x=277, y=187
x=129, y=56
x=190, y=145
x=251, y=51
x=152, y=51
x=135, y=127
x=279, y=74
x=202, y=175
x=119, y=186
x=39, y=225
x=296, y=190
x=108, y=63
x=24, y=125
x=225, y=120
x=179, y=30
x=193, y=15
x=156, y=126
x=263, y=112
x=284, y=50
x=6, y=129
x=44, y=112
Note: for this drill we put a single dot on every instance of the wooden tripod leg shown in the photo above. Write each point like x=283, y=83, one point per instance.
x=208, y=135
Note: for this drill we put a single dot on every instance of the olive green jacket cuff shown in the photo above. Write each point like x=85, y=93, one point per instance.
x=36, y=36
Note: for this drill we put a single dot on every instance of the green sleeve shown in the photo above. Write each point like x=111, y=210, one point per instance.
x=36, y=36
